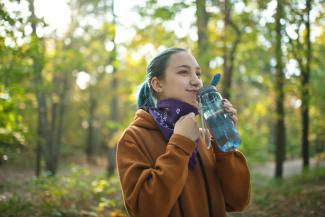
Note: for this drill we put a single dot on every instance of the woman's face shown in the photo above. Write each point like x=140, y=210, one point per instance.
x=182, y=79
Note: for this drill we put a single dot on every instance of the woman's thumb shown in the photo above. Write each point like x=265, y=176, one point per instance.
x=191, y=115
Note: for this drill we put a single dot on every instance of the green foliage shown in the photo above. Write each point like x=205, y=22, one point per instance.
x=13, y=130
x=160, y=12
x=298, y=195
x=76, y=194
x=14, y=73
x=90, y=48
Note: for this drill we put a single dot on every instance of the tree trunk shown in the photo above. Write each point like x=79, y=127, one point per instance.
x=58, y=107
x=229, y=49
x=202, y=19
x=114, y=117
x=51, y=162
x=43, y=133
x=305, y=74
x=90, y=145
x=111, y=157
x=61, y=112
x=279, y=116
x=38, y=153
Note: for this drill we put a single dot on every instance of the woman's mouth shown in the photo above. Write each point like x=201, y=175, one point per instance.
x=194, y=92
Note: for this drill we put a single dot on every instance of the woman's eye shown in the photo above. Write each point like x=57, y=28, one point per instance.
x=182, y=72
x=198, y=74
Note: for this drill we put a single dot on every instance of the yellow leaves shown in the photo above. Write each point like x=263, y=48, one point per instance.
x=260, y=109
x=114, y=138
x=99, y=185
x=132, y=97
x=104, y=204
x=117, y=213
x=105, y=191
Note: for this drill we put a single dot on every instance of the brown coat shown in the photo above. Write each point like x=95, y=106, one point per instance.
x=156, y=181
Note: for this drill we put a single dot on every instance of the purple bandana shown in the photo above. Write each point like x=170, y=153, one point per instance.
x=166, y=114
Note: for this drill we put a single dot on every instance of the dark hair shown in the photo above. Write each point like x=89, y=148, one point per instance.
x=156, y=68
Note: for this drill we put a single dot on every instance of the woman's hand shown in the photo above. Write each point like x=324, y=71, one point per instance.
x=186, y=126
x=228, y=107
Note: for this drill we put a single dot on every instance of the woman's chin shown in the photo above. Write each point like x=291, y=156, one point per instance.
x=193, y=103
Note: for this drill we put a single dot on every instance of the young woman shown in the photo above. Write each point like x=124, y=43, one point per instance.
x=164, y=168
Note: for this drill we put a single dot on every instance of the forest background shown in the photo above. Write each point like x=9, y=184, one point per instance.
x=69, y=75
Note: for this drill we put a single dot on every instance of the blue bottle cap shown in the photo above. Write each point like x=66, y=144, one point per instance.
x=205, y=89
x=216, y=79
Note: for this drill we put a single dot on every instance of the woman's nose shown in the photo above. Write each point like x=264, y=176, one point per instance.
x=196, y=81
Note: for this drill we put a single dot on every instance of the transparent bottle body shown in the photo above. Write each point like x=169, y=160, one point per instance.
x=218, y=122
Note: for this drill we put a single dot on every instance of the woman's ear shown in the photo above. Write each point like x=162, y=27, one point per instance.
x=156, y=85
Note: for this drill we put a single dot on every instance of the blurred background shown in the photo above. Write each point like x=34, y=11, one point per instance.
x=69, y=73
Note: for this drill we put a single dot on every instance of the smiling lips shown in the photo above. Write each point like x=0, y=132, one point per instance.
x=192, y=91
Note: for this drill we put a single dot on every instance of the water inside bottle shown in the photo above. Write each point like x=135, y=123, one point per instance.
x=223, y=130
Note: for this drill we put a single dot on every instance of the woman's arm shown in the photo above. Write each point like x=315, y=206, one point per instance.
x=152, y=190
x=232, y=170
x=234, y=176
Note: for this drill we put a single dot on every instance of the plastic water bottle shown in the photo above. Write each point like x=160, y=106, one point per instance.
x=218, y=122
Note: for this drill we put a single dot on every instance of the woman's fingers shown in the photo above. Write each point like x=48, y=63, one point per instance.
x=186, y=126
x=230, y=110
x=234, y=118
x=228, y=107
x=189, y=115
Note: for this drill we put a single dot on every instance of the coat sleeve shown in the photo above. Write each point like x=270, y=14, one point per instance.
x=234, y=177
x=153, y=190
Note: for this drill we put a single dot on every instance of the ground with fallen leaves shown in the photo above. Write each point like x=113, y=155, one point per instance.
x=83, y=192
x=296, y=196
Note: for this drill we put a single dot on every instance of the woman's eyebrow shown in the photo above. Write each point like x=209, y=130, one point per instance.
x=188, y=67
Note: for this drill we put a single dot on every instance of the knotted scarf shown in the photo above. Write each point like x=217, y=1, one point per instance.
x=166, y=114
